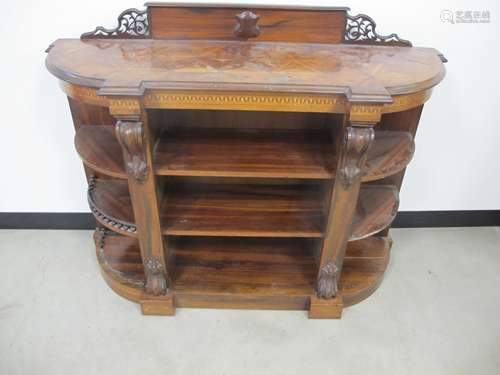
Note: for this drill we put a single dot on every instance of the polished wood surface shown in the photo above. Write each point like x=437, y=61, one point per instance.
x=276, y=25
x=244, y=153
x=362, y=73
x=259, y=210
x=269, y=102
x=257, y=273
x=244, y=156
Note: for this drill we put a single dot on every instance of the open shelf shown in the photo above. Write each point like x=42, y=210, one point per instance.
x=273, y=273
x=245, y=153
x=209, y=209
x=212, y=209
x=296, y=154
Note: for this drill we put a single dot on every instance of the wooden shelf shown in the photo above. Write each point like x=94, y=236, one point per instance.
x=270, y=273
x=243, y=210
x=209, y=209
x=376, y=209
x=99, y=149
x=244, y=153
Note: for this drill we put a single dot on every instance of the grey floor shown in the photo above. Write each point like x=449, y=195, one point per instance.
x=437, y=312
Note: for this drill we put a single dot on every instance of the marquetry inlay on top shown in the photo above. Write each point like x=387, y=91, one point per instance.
x=360, y=73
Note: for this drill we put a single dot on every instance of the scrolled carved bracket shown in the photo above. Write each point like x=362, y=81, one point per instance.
x=357, y=142
x=132, y=23
x=246, y=26
x=132, y=139
x=362, y=29
x=156, y=280
x=327, y=281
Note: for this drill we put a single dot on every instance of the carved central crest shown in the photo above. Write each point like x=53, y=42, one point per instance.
x=247, y=25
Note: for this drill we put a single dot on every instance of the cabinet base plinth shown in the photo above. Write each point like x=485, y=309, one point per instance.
x=326, y=308
x=157, y=305
x=276, y=274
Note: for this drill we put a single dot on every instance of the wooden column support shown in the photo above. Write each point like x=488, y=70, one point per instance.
x=135, y=139
x=357, y=138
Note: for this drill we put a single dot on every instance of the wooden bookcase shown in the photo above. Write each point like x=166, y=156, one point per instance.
x=244, y=157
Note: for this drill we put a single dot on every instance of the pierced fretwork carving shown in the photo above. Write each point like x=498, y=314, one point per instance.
x=131, y=137
x=247, y=25
x=362, y=29
x=327, y=281
x=357, y=141
x=132, y=23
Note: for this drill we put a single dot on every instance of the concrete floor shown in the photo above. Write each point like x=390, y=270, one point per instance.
x=437, y=312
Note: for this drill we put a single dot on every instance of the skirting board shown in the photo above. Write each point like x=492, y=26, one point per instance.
x=404, y=219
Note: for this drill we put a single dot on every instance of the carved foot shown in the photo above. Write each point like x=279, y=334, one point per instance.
x=327, y=281
x=156, y=283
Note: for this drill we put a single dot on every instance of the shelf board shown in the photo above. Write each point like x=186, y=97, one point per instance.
x=376, y=209
x=99, y=149
x=243, y=210
x=204, y=209
x=272, y=273
x=110, y=203
x=244, y=153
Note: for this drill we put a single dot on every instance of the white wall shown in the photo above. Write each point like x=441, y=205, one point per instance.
x=456, y=166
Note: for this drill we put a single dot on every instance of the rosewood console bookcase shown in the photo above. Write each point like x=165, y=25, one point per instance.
x=244, y=156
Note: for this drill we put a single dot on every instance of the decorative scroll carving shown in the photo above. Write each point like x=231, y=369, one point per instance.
x=131, y=137
x=357, y=141
x=362, y=29
x=132, y=23
x=102, y=217
x=327, y=281
x=156, y=283
x=247, y=25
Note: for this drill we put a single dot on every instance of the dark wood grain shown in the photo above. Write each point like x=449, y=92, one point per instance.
x=211, y=209
x=100, y=150
x=244, y=153
x=252, y=274
x=360, y=73
x=242, y=210
x=282, y=25
x=376, y=209
x=250, y=156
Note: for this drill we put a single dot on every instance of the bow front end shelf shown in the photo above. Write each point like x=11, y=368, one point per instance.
x=244, y=156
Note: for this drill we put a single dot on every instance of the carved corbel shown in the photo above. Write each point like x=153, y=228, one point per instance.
x=132, y=139
x=357, y=142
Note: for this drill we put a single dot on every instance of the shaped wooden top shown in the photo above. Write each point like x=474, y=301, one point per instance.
x=363, y=73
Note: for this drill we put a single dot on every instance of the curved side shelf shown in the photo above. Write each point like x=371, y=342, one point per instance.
x=99, y=149
x=201, y=283
x=391, y=152
x=244, y=156
x=258, y=211
x=109, y=201
x=376, y=209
